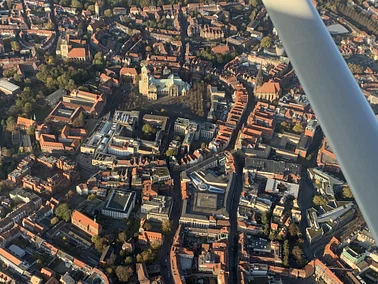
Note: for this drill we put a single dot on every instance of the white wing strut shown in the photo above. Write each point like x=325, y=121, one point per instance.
x=344, y=114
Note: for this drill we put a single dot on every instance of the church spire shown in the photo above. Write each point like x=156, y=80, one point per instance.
x=259, y=78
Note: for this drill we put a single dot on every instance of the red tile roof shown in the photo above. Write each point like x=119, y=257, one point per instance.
x=10, y=257
x=82, y=221
x=77, y=52
x=269, y=87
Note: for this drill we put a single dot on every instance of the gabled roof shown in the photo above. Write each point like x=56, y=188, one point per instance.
x=22, y=121
x=127, y=70
x=77, y=52
x=10, y=257
x=84, y=220
x=269, y=87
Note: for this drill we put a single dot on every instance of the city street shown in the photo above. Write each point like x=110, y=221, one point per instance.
x=175, y=217
x=233, y=198
x=232, y=206
x=305, y=197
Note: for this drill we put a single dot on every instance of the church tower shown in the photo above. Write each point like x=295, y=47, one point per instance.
x=64, y=47
x=97, y=10
x=144, y=82
x=259, y=78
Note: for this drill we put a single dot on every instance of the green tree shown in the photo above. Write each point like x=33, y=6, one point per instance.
x=11, y=123
x=109, y=271
x=15, y=46
x=147, y=128
x=9, y=72
x=92, y=197
x=264, y=218
x=298, y=128
x=148, y=255
x=124, y=273
x=272, y=236
x=76, y=4
x=293, y=229
x=51, y=83
x=99, y=243
x=128, y=260
x=49, y=26
x=18, y=78
x=28, y=107
x=297, y=253
x=286, y=251
x=64, y=212
x=31, y=130
x=285, y=126
x=266, y=42
x=6, y=152
x=319, y=200
x=155, y=245
x=147, y=226
x=139, y=258
x=122, y=236
x=54, y=221
x=171, y=152
x=108, y=13
x=91, y=8
x=98, y=59
x=253, y=3
x=67, y=215
x=266, y=229
x=166, y=226
x=347, y=193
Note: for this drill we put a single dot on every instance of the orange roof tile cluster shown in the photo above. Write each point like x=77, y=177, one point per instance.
x=184, y=190
x=25, y=123
x=47, y=272
x=277, y=69
x=220, y=49
x=148, y=192
x=268, y=87
x=224, y=135
x=298, y=116
x=149, y=237
x=247, y=227
x=63, y=107
x=34, y=239
x=260, y=124
x=71, y=133
x=128, y=71
x=192, y=158
x=90, y=102
x=225, y=131
x=78, y=53
x=85, y=223
x=326, y=158
x=10, y=257
x=49, y=143
x=329, y=249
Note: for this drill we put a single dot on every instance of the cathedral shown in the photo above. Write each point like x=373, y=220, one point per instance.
x=154, y=88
